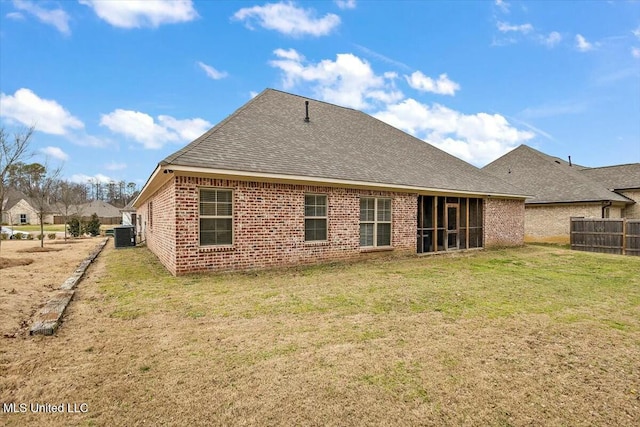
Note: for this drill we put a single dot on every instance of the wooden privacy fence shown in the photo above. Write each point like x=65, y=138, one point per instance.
x=611, y=236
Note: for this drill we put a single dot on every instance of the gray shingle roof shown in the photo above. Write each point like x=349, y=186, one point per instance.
x=269, y=135
x=102, y=209
x=619, y=177
x=549, y=179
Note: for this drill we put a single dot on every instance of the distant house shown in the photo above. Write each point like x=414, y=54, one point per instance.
x=287, y=180
x=562, y=190
x=18, y=209
x=107, y=213
x=128, y=214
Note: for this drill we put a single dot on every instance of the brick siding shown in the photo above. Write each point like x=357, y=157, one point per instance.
x=632, y=211
x=268, y=225
x=503, y=222
x=553, y=221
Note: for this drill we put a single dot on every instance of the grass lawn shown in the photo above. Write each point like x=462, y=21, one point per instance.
x=48, y=228
x=538, y=335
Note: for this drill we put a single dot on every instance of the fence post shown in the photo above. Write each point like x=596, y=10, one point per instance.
x=624, y=236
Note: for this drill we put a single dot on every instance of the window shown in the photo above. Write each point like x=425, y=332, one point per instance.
x=150, y=213
x=23, y=218
x=449, y=223
x=315, y=217
x=216, y=217
x=375, y=222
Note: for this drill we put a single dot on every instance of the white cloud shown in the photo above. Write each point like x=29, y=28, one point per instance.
x=29, y=109
x=502, y=5
x=80, y=178
x=144, y=129
x=505, y=27
x=115, y=166
x=582, y=44
x=143, y=13
x=16, y=16
x=635, y=52
x=477, y=138
x=348, y=81
x=346, y=4
x=288, y=19
x=212, y=72
x=636, y=32
x=552, y=39
x=55, y=17
x=442, y=86
x=55, y=152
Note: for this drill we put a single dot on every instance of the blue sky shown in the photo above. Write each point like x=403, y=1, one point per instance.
x=115, y=86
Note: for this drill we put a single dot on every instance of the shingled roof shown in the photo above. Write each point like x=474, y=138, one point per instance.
x=549, y=179
x=619, y=177
x=269, y=135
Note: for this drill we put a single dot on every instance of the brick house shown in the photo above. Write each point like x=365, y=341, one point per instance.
x=288, y=180
x=18, y=209
x=562, y=190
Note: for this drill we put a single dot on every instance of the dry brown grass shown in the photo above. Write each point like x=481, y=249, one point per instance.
x=28, y=283
x=534, y=336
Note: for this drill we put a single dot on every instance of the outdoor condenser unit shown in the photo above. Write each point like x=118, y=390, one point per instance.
x=124, y=236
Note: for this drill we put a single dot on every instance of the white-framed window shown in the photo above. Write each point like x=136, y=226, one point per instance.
x=216, y=217
x=315, y=217
x=24, y=219
x=150, y=214
x=375, y=221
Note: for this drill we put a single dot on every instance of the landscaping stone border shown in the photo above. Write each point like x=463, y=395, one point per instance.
x=49, y=318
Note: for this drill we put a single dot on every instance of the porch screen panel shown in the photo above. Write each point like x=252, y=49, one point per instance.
x=475, y=223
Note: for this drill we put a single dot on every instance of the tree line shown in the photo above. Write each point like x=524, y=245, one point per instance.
x=44, y=186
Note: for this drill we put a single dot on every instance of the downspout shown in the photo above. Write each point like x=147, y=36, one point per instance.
x=605, y=206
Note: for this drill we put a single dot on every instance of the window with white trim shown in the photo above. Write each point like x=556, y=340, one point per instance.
x=375, y=222
x=315, y=217
x=216, y=217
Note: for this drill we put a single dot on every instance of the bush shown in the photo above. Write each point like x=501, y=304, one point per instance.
x=17, y=236
x=93, y=226
x=51, y=236
x=40, y=236
x=29, y=236
x=74, y=227
x=4, y=236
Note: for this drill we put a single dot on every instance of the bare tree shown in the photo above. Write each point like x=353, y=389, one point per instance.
x=69, y=197
x=12, y=151
x=40, y=192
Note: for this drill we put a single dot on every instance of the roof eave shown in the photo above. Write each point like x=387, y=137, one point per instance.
x=183, y=170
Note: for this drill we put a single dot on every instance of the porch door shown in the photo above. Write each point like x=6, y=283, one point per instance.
x=452, y=227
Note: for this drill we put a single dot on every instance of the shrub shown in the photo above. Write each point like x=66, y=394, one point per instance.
x=17, y=236
x=93, y=226
x=40, y=236
x=29, y=236
x=4, y=236
x=51, y=236
x=74, y=226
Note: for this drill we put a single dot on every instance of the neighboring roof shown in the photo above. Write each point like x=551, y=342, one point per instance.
x=128, y=207
x=102, y=209
x=12, y=197
x=619, y=177
x=549, y=179
x=269, y=135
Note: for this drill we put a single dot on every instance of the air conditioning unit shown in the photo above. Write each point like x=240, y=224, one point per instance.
x=124, y=236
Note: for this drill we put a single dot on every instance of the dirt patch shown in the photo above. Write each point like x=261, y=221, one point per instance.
x=25, y=287
x=38, y=249
x=12, y=262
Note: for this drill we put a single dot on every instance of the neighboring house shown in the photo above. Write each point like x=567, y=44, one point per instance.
x=275, y=185
x=562, y=190
x=107, y=213
x=18, y=209
x=128, y=214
